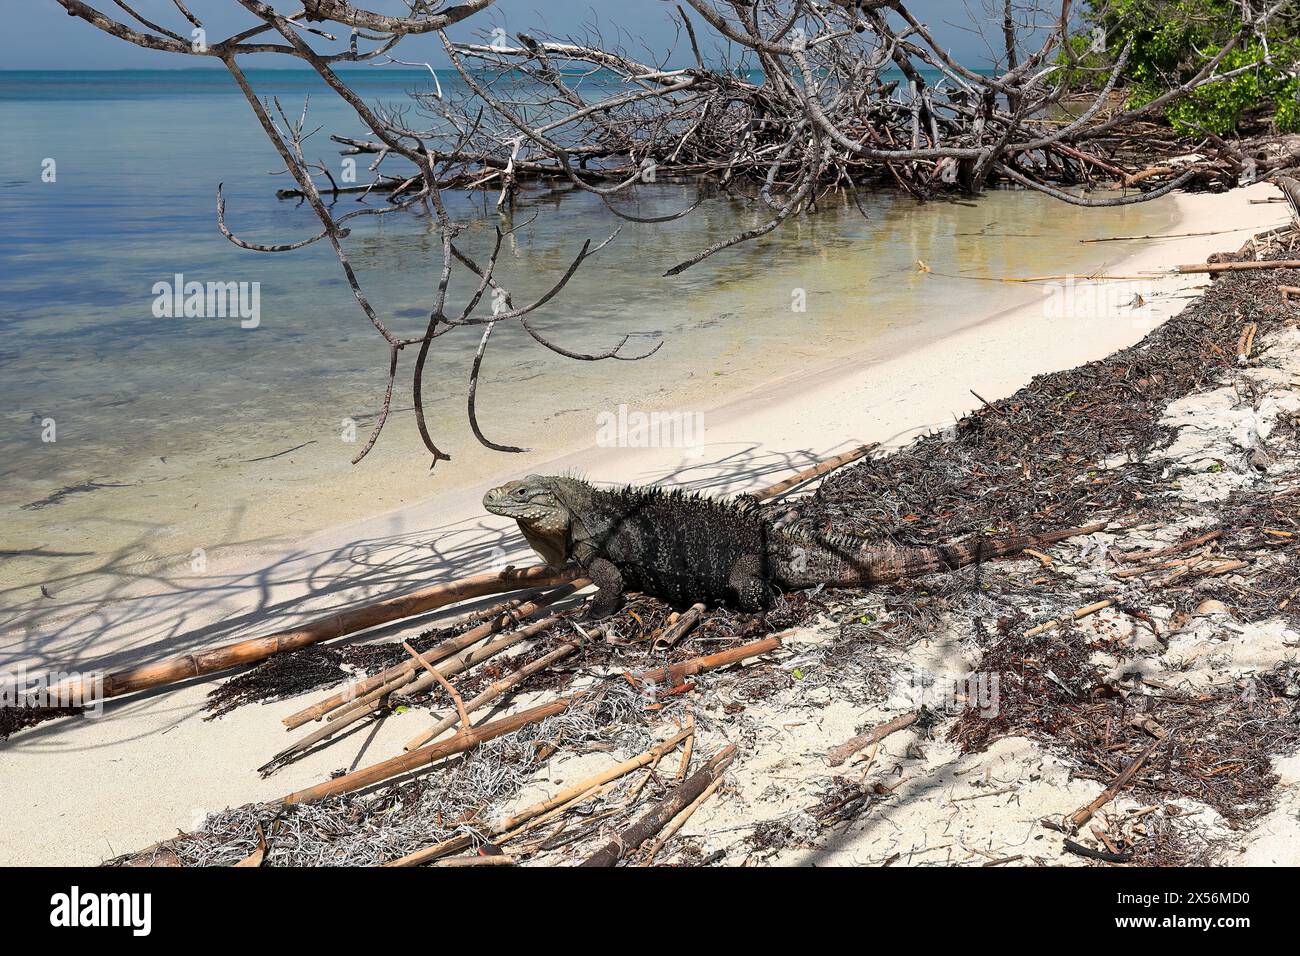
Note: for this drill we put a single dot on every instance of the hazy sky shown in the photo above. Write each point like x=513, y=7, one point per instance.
x=50, y=39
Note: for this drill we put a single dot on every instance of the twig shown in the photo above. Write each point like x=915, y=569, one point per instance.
x=679, y=628
x=1078, y=615
x=1083, y=814
x=1239, y=266
x=446, y=685
x=847, y=749
x=1106, y=856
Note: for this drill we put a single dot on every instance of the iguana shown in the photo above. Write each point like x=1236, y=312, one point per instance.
x=685, y=548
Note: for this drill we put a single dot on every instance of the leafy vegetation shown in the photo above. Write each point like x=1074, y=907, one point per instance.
x=1174, y=39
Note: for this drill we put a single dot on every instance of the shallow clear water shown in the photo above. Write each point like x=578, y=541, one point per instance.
x=162, y=410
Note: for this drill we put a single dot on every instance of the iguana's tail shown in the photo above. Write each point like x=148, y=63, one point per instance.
x=859, y=565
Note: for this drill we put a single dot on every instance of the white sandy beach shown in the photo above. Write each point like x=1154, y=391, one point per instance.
x=78, y=791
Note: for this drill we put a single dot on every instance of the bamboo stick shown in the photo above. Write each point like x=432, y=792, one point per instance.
x=408, y=762
x=305, y=743
x=1166, y=235
x=679, y=628
x=363, y=702
x=424, y=681
x=1237, y=266
x=667, y=808
x=567, y=795
x=257, y=649
x=359, y=692
x=816, y=471
x=493, y=691
x=461, y=714
x=1162, y=566
x=698, y=665
x=363, y=687
x=456, y=665
x=423, y=756
x=562, y=809
x=1078, y=615
x=462, y=662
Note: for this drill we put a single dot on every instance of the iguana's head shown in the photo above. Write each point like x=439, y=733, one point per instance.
x=535, y=502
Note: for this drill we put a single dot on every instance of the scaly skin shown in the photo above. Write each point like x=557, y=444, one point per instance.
x=686, y=548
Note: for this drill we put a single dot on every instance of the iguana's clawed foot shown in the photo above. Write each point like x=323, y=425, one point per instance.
x=609, y=589
x=601, y=607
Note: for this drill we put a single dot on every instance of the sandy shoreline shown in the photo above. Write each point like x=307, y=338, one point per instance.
x=77, y=792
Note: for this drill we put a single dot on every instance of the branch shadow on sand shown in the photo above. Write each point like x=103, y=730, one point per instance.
x=139, y=612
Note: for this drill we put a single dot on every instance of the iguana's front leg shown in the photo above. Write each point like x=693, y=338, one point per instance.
x=609, y=584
